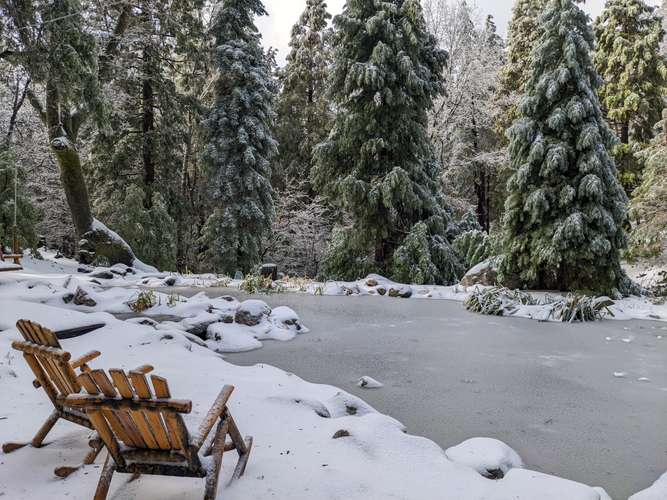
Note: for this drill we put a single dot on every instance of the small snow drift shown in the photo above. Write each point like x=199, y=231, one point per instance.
x=491, y=458
x=367, y=382
x=656, y=492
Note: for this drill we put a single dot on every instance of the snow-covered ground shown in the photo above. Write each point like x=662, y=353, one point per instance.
x=311, y=441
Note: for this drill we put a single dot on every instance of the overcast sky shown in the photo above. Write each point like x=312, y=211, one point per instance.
x=284, y=13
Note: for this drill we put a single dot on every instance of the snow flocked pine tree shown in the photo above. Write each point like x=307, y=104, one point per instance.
x=240, y=143
x=627, y=57
x=377, y=162
x=565, y=206
x=523, y=33
x=304, y=117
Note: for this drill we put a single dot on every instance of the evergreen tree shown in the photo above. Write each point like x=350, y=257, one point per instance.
x=565, y=209
x=304, y=117
x=523, y=34
x=240, y=142
x=151, y=230
x=377, y=163
x=648, y=209
x=67, y=48
x=146, y=140
x=13, y=201
x=627, y=57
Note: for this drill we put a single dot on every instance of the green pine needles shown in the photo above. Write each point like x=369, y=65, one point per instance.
x=628, y=35
x=240, y=141
x=304, y=114
x=565, y=205
x=377, y=162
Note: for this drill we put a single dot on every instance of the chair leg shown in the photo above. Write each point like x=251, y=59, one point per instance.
x=45, y=429
x=96, y=446
x=239, y=470
x=217, y=449
x=105, y=479
x=39, y=437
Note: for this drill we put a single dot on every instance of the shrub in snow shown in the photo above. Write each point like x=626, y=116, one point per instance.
x=489, y=457
x=142, y=301
x=150, y=231
x=499, y=301
x=565, y=206
x=255, y=283
x=425, y=258
x=473, y=246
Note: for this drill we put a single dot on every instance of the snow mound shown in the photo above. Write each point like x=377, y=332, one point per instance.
x=489, y=457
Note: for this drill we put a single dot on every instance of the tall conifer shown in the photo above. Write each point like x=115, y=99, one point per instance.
x=565, y=206
x=240, y=142
x=377, y=162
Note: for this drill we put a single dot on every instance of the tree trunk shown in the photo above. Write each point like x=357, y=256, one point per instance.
x=148, y=126
x=482, y=192
x=69, y=161
x=625, y=133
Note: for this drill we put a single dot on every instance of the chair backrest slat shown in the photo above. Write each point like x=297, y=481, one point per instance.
x=161, y=388
x=50, y=357
x=132, y=413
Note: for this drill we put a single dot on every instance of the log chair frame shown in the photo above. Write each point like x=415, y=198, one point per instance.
x=144, y=431
x=55, y=374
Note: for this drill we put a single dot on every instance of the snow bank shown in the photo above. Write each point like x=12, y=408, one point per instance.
x=656, y=492
x=311, y=441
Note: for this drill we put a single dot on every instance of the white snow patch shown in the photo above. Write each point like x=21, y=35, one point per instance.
x=485, y=455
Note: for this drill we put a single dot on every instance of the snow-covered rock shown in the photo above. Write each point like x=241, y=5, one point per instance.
x=493, y=459
x=252, y=312
x=367, y=382
x=223, y=337
x=287, y=318
x=485, y=273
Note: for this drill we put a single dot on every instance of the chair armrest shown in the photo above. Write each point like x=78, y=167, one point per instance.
x=143, y=369
x=213, y=415
x=83, y=360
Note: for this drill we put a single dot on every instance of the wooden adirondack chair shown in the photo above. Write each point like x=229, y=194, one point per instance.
x=55, y=373
x=145, y=433
x=15, y=257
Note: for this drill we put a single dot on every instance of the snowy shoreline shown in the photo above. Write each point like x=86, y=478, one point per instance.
x=337, y=442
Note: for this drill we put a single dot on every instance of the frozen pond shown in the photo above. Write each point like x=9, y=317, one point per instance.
x=571, y=399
